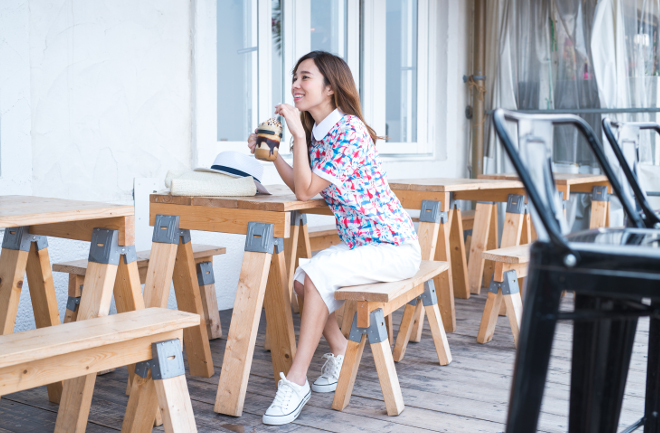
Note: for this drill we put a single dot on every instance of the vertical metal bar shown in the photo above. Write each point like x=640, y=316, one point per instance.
x=478, y=104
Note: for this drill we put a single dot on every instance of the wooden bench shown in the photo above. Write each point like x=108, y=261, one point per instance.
x=203, y=255
x=510, y=268
x=370, y=304
x=150, y=338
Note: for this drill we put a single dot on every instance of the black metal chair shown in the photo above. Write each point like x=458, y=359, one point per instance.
x=611, y=272
x=628, y=134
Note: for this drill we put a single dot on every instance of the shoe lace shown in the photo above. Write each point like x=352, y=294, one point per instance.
x=329, y=368
x=283, y=395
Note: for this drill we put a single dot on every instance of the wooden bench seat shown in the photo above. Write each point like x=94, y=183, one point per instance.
x=46, y=355
x=368, y=305
x=203, y=255
x=510, y=268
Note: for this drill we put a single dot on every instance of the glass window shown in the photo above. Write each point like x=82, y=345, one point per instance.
x=401, y=71
x=237, y=85
x=328, y=26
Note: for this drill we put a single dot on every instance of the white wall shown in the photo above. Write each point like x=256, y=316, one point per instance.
x=96, y=95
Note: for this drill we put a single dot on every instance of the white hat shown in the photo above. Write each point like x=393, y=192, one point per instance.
x=236, y=164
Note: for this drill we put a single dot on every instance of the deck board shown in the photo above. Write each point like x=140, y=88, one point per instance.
x=469, y=395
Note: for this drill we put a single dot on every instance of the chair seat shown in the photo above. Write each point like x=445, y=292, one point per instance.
x=515, y=255
x=388, y=292
x=79, y=267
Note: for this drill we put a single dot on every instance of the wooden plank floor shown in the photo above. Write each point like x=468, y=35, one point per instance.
x=470, y=395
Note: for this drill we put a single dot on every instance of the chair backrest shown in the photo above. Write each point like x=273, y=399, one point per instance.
x=624, y=140
x=532, y=159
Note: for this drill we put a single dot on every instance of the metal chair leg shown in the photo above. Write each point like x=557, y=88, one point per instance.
x=601, y=356
x=533, y=357
x=652, y=405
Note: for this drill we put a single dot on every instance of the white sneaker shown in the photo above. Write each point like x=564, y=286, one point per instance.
x=288, y=403
x=329, y=373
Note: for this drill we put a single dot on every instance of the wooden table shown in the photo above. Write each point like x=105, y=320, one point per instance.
x=577, y=183
x=263, y=282
x=447, y=243
x=110, y=229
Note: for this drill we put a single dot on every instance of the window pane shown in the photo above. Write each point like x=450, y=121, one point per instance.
x=278, y=45
x=401, y=71
x=328, y=26
x=237, y=78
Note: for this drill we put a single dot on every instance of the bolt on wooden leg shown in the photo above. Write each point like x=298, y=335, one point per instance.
x=128, y=297
x=250, y=293
x=389, y=381
x=410, y=312
x=206, y=280
x=489, y=317
x=348, y=373
x=277, y=303
x=188, y=298
x=457, y=247
x=95, y=302
x=12, y=273
x=44, y=301
x=428, y=231
x=142, y=406
x=480, y=235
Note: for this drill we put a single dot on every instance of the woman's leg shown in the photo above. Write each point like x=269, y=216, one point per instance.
x=334, y=337
x=312, y=323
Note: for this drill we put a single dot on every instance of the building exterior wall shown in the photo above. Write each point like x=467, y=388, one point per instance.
x=95, y=104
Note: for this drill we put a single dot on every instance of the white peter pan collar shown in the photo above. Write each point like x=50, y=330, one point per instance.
x=322, y=129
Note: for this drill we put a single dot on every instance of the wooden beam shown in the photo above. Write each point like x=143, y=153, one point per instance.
x=82, y=230
x=221, y=219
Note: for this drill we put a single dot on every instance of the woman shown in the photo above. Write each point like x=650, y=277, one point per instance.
x=334, y=154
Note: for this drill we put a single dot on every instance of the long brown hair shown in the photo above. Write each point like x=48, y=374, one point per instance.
x=338, y=76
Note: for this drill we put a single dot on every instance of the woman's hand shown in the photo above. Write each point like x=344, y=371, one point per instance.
x=252, y=141
x=292, y=116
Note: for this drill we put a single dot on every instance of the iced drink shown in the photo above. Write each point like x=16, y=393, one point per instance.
x=269, y=135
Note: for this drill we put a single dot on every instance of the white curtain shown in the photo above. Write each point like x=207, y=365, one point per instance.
x=568, y=54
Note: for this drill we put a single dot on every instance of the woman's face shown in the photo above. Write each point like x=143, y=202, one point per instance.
x=308, y=88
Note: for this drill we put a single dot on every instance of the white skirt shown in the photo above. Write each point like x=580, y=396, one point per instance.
x=340, y=266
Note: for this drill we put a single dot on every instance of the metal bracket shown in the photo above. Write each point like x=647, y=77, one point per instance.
x=428, y=297
x=430, y=212
x=515, y=203
x=376, y=332
x=184, y=235
x=167, y=231
x=599, y=193
x=298, y=219
x=72, y=303
x=259, y=238
x=278, y=246
x=19, y=238
x=453, y=203
x=167, y=361
x=105, y=246
x=205, y=273
x=129, y=253
x=509, y=286
x=486, y=202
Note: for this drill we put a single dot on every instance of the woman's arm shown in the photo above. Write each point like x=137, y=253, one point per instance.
x=285, y=171
x=307, y=184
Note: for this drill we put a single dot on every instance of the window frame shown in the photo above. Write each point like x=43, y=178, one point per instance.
x=373, y=81
x=365, y=57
